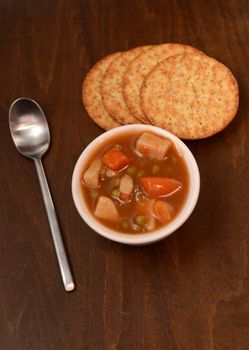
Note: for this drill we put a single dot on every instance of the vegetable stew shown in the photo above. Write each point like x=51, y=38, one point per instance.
x=135, y=183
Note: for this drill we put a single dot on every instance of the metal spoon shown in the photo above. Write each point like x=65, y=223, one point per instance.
x=30, y=133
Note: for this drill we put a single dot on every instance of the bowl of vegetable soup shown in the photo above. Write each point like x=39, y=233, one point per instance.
x=135, y=184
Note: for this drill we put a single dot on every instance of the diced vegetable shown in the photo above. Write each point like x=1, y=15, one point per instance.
x=163, y=211
x=131, y=170
x=140, y=220
x=91, y=176
x=143, y=149
x=94, y=194
x=124, y=197
x=110, y=173
x=116, y=181
x=115, y=193
x=160, y=186
x=152, y=145
x=126, y=184
x=115, y=159
x=103, y=171
x=106, y=209
x=125, y=224
x=155, y=169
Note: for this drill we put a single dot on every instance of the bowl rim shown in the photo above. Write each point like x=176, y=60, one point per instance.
x=141, y=238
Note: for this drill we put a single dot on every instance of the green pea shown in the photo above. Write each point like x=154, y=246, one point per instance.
x=141, y=173
x=173, y=159
x=116, y=182
x=94, y=194
x=140, y=220
x=155, y=168
x=115, y=192
x=125, y=224
x=103, y=172
x=131, y=170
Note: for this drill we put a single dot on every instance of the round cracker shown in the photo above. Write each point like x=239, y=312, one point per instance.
x=192, y=96
x=112, y=87
x=91, y=94
x=141, y=66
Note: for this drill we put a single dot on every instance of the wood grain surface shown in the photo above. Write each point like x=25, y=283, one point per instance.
x=190, y=291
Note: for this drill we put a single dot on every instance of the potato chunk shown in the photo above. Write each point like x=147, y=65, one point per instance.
x=154, y=146
x=163, y=211
x=91, y=176
x=126, y=184
x=106, y=209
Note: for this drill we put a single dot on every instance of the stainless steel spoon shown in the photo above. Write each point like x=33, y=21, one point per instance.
x=30, y=133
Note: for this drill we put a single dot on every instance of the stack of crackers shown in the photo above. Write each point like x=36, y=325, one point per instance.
x=173, y=86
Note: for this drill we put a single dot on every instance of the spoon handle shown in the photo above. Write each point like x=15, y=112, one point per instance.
x=56, y=235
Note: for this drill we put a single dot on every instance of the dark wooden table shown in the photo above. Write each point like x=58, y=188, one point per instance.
x=190, y=291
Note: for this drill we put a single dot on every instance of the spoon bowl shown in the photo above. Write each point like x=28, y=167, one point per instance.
x=29, y=128
x=30, y=133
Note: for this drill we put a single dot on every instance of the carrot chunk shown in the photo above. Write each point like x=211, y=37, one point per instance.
x=160, y=186
x=115, y=159
x=163, y=211
x=144, y=149
x=124, y=197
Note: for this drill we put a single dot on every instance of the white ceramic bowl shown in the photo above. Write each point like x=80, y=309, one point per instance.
x=143, y=238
